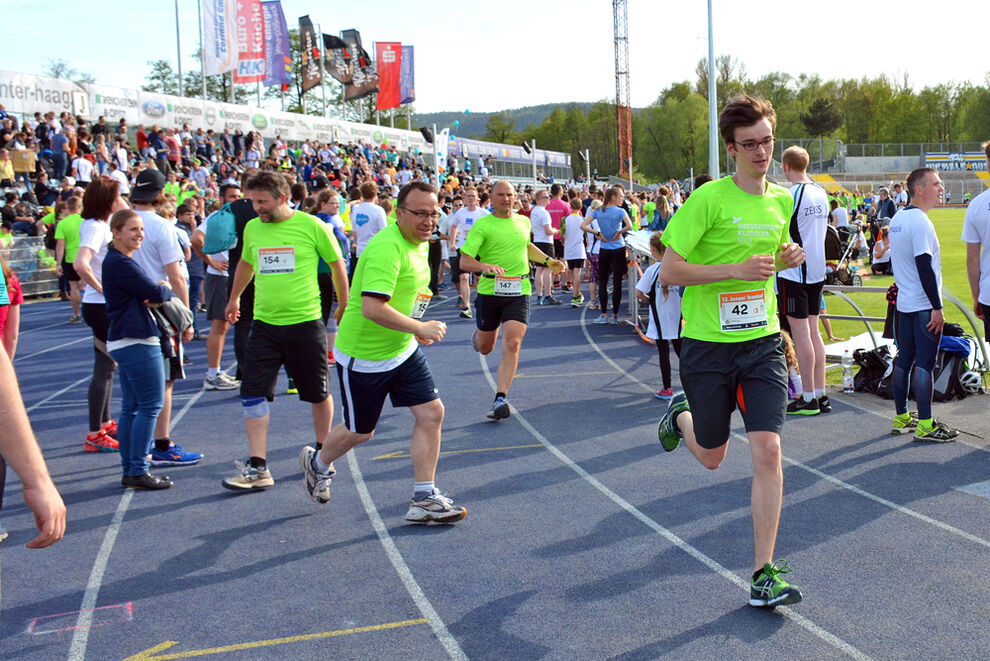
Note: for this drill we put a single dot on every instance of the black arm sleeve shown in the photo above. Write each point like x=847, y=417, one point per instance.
x=927, y=276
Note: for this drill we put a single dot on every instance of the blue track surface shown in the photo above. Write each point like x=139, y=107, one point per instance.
x=583, y=539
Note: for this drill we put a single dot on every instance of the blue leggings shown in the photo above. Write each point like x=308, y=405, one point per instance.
x=918, y=345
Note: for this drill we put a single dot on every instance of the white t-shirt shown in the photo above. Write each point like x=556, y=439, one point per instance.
x=668, y=309
x=121, y=155
x=159, y=248
x=811, y=220
x=912, y=234
x=901, y=199
x=463, y=220
x=83, y=168
x=976, y=229
x=95, y=235
x=540, y=218
x=596, y=244
x=404, y=177
x=841, y=216
x=222, y=256
x=885, y=258
x=122, y=183
x=573, y=237
x=367, y=219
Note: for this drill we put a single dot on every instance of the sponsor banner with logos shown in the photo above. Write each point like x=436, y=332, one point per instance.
x=154, y=109
x=23, y=93
x=955, y=161
x=114, y=103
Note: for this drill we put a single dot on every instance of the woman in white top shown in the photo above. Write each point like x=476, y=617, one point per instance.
x=574, y=252
x=665, y=314
x=593, y=248
x=881, y=254
x=101, y=199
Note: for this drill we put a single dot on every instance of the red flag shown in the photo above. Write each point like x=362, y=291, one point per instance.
x=250, y=42
x=389, y=58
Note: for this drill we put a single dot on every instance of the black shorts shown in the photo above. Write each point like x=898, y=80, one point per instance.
x=718, y=376
x=800, y=301
x=492, y=311
x=363, y=394
x=575, y=263
x=548, y=249
x=327, y=298
x=558, y=248
x=455, y=266
x=173, y=366
x=95, y=316
x=302, y=348
x=215, y=297
x=69, y=271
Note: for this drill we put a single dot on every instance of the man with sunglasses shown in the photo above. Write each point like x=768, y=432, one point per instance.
x=378, y=356
x=725, y=243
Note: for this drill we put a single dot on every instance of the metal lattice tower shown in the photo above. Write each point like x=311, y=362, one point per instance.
x=620, y=19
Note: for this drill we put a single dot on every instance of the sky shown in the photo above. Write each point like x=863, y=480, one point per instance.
x=491, y=56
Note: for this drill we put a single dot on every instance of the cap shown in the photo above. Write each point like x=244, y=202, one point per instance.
x=147, y=186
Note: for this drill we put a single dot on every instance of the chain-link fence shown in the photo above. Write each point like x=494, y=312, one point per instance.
x=33, y=263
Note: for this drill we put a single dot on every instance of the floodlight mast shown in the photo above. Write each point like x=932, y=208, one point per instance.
x=712, y=102
x=623, y=111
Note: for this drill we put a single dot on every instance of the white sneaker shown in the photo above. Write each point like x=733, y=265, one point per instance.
x=317, y=484
x=220, y=382
x=249, y=478
x=435, y=507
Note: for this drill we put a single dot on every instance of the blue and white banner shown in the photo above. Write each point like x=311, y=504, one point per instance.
x=278, y=56
x=219, y=41
x=407, y=78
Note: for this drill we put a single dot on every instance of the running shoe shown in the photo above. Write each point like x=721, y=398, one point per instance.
x=220, y=382
x=3, y=533
x=466, y=314
x=435, y=507
x=664, y=393
x=317, y=484
x=601, y=320
x=249, y=478
x=799, y=406
x=904, y=423
x=825, y=404
x=460, y=303
x=575, y=302
x=550, y=300
x=331, y=361
x=110, y=429
x=174, y=456
x=291, y=389
x=500, y=409
x=474, y=341
x=937, y=433
x=75, y=319
x=667, y=432
x=593, y=305
x=613, y=320
x=100, y=442
x=768, y=590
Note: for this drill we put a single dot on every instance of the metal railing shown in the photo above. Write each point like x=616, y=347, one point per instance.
x=33, y=263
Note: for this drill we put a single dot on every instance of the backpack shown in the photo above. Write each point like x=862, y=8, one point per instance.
x=950, y=364
x=875, y=369
x=50, y=236
x=220, y=231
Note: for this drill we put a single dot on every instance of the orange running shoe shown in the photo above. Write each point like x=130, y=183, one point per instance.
x=100, y=442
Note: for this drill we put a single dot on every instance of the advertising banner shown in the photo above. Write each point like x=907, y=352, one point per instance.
x=278, y=54
x=407, y=77
x=114, y=103
x=336, y=58
x=219, y=44
x=27, y=94
x=388, y=60
x=250, y=42
x=954, y=161
x=364, y=78
x=309, y=50
x=155, y=110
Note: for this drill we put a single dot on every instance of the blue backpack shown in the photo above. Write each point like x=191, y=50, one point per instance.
x=220, y=231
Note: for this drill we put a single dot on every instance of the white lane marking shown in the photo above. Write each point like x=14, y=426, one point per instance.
x=401, y=568
x=695, y=553
x=57, y=346
x=814, y=471
x=80, y=637
x=56, y=394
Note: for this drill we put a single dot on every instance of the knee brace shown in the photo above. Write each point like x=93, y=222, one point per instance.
x=254, y=407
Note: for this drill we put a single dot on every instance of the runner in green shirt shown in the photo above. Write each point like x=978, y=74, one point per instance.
x=378, y=356
x=499, y=247
x=281, y=251
x=66, y=247
x=724, y=244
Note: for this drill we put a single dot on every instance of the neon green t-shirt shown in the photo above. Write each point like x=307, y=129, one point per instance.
x=393, y=268
x=648, y=210
x=721, y=224
x=501, y=241
x=173, y=188
x=48, y=218
x=634, y=216
x=68, y=229
x=285, y=256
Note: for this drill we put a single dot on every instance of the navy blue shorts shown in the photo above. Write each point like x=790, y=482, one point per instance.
x=363, y=394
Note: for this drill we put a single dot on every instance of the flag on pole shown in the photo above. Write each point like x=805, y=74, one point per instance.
x=219, y=42
x=440, y=144
x=337, y=58
x=388, y=59
x=278, y=56
x=250, y=42
x=407, y=79
x=364, y=78
x=312, y=74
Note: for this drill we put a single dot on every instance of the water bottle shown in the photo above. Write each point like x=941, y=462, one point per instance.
x=848, y=385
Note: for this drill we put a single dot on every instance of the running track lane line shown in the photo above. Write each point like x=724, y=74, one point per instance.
x=814, y=471
x=401, y=568
x=56, y=394
x=57, y=346
x=80, y=636
x=698, y=555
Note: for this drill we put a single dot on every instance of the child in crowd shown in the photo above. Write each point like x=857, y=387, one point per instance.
x=593, y=256
x=793, y=375
x=574, y=252
x=665, y=313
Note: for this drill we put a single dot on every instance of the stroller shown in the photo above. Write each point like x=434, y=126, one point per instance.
x=839, y=244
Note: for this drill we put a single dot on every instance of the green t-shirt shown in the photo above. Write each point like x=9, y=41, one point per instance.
x=721, y=224
x=648, y=210
x=501, y=241
x=68, y=229
x=390, y=267
x=285, y=257
x=48, y=218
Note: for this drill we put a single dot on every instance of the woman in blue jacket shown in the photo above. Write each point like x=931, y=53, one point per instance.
x=134, y=342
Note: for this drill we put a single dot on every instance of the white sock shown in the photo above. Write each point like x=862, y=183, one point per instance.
x=819, y=393
x=807, y=396
x=211, y=372
x=423, y=487
x=319, y=465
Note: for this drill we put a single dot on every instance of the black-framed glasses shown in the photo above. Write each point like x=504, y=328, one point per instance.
x=752, y=145
x=429, y=215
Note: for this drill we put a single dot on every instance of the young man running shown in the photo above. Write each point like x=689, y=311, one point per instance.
x=378, y=356
x=499, y=247
x=916, y=257
x=801, y=288
x=460, y=228
x=281, y=250
x=724, y=245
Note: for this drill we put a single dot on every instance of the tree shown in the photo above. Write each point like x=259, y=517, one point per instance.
x=59, y=68
x=500, y=128
x=162, y=78
x=217, y=86
x=822, y=119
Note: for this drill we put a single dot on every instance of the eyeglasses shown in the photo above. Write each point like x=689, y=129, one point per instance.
x=428, y=215
x=752, y=145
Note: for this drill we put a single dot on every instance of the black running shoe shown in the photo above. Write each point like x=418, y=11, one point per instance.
x=801, y=407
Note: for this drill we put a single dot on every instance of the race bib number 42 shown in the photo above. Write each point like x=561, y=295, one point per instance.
x=506, y=285
x=742, y=310
x=277, y=260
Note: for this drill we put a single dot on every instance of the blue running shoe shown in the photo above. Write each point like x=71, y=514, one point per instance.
x=174, y=456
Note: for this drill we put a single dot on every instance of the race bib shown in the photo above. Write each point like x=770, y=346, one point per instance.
x=508, y=285
x=277, y=260
x=420, y=304
x=742, y=310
